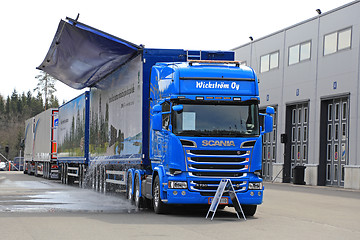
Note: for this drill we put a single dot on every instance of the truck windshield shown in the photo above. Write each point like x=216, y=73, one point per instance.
x=221, y=120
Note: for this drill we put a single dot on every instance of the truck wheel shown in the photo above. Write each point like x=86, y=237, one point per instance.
x=97, y=179
x=249, y=210
x=129, y=190
x=66, y=176
x=92, y=177
x=28, y=169
x=24, y=168
x=61, y=173
x=80, y=176
x=46, y=174
x=102, y=179
x=47, y=169
x=35, y=171
x=159, y=206
x=139, y=201
x=105, y=186
x=44, y=171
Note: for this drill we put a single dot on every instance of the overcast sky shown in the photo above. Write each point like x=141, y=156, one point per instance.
x=28, y=27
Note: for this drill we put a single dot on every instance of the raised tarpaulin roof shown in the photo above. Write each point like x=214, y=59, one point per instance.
x=80, y=56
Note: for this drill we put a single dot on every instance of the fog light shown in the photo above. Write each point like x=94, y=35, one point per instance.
x=259, y=193
x=183, y=193
x=251, y=193
x=175, y=193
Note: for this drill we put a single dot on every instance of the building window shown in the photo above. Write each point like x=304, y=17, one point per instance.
x=269, y=62
x=337, y=41
x=299, y=52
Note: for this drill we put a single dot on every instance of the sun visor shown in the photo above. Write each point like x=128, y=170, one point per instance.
x=80, y=56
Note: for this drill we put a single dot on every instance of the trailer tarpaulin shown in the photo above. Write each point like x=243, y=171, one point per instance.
x=80, y=56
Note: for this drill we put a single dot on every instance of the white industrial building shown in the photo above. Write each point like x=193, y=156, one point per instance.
x=310, y=73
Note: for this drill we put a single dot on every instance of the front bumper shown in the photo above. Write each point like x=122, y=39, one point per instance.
x=184, y=196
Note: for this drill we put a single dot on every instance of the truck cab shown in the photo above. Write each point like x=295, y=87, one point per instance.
x=204, y=127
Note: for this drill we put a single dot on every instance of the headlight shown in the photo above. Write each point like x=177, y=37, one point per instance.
x=255, y=186
x=176, y=184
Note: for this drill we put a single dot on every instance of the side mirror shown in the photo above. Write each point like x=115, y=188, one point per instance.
x=268, y=124
x=157, y=121
x=178, y=108
x=157, y=108
x=270, y=110
x=268, y=120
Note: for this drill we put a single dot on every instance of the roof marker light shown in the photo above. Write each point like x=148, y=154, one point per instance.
x=199, y=98
x=237, y=98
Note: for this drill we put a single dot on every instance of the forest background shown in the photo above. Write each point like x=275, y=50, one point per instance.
x=17, y=108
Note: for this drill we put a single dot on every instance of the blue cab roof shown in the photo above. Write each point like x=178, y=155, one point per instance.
x=206, y=78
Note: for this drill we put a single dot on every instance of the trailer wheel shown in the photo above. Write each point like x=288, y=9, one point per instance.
x=101, y=179
x=36, y=168
x=159, y=206
x=81, y=175
x=249, y=210
x=63, y=173
x=28, y=171
x=92, y=177
x=44, y=170
x=105, y=184
x=66, y=176
x=97, y=179
x=48, y=170
x=129, y=190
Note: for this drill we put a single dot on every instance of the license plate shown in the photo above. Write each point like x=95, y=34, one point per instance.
x=223, y=200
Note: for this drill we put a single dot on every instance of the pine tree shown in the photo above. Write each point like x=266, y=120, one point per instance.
x=2, y=106
x=45, y=86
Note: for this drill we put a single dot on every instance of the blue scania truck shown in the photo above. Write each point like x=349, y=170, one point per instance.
x=163, y=125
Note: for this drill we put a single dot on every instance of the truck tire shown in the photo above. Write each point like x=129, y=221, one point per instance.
x=25, y=168
x=101, y=178
x=28, y=169
x=61, y=173
x=81, y=176
x=35, y=170
x=44, y=170
x=249, y=210
x=129, y=190
x=92, y=177
x=159, y=206
x=105, y=184
x=140, y=202
x=66, y=176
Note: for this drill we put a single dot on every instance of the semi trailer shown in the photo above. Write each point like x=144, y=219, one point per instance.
x=163, y=125
x=40, y=144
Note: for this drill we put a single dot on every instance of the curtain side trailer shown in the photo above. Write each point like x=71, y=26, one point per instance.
x=40, y=141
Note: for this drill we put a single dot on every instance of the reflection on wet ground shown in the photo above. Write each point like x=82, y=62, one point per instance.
x=22, y=193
